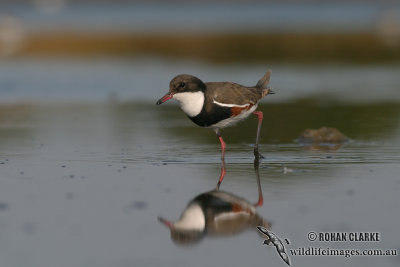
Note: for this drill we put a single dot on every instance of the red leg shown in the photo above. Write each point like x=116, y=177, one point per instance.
x=260, y=201
x=259, y=114
x=223, y=146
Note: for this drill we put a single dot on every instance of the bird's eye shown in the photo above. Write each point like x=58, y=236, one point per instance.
x=182, y=84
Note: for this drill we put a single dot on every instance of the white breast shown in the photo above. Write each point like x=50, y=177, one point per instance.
x=192, y=219
x=191, y=102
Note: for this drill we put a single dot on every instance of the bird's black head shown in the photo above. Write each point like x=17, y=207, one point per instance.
x=181, y=84
x=186, y=83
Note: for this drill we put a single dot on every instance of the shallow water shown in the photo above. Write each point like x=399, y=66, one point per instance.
x=88, y=162
x=83, y=184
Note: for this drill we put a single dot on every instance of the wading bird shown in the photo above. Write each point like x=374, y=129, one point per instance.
x=218, y=105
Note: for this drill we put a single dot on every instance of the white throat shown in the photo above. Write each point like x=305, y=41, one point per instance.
x=191, y=102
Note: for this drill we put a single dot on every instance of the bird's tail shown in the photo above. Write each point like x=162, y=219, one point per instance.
x=263, y=84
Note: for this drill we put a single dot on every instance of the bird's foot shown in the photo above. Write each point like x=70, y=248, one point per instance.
x=257, y=154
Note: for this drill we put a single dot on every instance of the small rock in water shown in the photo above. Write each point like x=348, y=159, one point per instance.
x=322, y=135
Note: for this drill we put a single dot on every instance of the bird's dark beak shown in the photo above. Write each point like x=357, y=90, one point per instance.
x=165, y=222
x=164, y=98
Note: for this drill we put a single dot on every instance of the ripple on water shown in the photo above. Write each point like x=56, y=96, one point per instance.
x=276, y=154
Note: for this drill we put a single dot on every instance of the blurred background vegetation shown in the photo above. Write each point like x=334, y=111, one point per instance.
x=357, y=32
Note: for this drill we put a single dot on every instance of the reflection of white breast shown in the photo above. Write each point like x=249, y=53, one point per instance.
x=191, y=102
x=192, y=219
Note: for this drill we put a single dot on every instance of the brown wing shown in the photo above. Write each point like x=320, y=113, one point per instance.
x=233, y=93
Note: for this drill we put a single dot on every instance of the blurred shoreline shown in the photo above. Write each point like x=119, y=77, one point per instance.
x=354, y=48
x=347, y=48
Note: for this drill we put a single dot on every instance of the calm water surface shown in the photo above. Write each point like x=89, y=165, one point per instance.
x=82, y=182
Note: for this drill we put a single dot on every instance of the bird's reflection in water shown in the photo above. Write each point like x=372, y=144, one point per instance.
x=217, y=213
